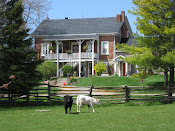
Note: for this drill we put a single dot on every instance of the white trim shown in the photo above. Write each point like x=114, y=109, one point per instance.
x=104, y=42
x=46, y=50
x=111, y=33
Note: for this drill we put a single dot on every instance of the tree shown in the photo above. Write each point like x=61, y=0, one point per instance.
x=67, y=69
x=17, y=54
x=156, y=48
x=35, y=10
x=47, y=69
x=99, y=68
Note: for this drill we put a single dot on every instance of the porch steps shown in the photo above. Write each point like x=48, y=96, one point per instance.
x=60, y=81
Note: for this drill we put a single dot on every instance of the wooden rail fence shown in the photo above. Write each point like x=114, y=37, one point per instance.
x=106, y=94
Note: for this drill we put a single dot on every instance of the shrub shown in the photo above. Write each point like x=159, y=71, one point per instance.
x=67, y=70
x=47, y=69
x=99, y=68
x=73, y=80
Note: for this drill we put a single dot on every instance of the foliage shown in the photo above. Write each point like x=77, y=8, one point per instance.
x=140, y=75
x=17, y=54
x=85, y=47
x=50, y=47
x=47, y=69
x=99, y=68
x=54, y=78
x=69, y=52
x=155, y=48
x=67, y=69
x=73, y=80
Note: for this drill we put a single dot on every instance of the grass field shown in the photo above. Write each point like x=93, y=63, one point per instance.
x=154, y=80
x=115, y=117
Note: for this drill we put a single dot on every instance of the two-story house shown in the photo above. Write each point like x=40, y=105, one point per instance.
x=53, y=39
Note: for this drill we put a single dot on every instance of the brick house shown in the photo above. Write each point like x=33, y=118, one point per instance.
x=53, y=39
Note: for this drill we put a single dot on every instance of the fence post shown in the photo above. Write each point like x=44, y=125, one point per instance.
x=9, y=95
x=169, y=94
x=90, y=93
x=127, y=94
x=27, y=96
x=49, y=93
x=15, y=95
x=37, y=95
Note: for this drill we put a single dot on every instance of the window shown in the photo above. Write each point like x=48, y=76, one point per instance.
x=44, y=49
x=61, y=48
x=104, y=47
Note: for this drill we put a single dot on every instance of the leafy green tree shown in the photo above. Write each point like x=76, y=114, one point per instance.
x=99, y=68
x=155, y=20
x=67, y=69
x=17, y=54
x=47, y=69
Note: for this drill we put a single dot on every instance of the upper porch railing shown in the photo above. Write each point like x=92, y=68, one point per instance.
x=73, y=56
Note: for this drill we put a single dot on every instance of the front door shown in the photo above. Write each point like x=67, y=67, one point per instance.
x=123, y=69
x=75, y=49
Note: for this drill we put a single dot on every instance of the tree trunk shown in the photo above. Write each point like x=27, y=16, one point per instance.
x=165, y=77
x=172, y=73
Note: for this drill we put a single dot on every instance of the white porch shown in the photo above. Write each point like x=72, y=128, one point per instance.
x=76, y=46
x=121, y=67
x=73, y=56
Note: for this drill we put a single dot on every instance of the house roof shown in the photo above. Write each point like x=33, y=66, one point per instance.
x=90, y=26
x=128, y=41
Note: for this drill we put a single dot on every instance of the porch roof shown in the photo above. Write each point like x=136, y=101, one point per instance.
x=71, y=37
x=116, y=59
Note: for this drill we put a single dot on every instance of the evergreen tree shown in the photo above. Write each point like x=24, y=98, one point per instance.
x=155, y=20
x=17, y=55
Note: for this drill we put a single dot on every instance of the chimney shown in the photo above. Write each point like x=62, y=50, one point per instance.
x=47, y=18
x=121, y=17
x=66, y=18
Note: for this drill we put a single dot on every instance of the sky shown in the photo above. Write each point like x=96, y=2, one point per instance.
x=74, y=9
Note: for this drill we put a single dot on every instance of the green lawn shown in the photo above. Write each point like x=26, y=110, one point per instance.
x=116, y=117
x=154, y=80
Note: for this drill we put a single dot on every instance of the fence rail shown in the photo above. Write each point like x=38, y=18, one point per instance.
x=106, y=94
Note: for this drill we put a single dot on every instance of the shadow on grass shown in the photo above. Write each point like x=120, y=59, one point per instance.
x=156, y=84
x=31, y=104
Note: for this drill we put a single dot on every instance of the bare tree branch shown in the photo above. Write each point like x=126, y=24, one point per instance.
x=35, y=11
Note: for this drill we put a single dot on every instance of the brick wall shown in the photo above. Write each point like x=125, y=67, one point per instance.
x=38, y=42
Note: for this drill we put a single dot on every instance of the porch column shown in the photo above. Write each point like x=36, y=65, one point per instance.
x=58, y=42
x=79, y=43
x=119, y=68
x=130, y=69
x=92, y=41
x=126, y=69
x=137, y=71
x=115, y=67
x=98, y=48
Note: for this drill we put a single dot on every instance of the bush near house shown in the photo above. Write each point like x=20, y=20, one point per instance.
x=99, y=68
x=47, y=69
x=67, y=69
